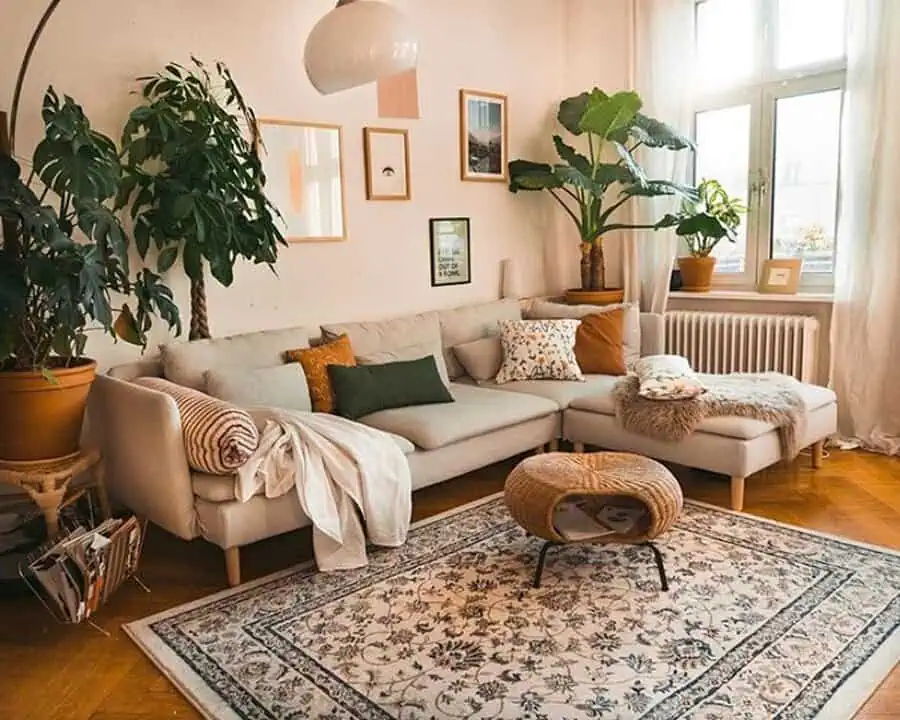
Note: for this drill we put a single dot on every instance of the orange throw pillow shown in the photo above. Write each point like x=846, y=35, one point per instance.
x=599, y=343
x=315, y=362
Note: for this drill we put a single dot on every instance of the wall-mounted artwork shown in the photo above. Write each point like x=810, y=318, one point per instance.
x=304, y=168
x=451, y=261
x=484, y=126
x=387, y=164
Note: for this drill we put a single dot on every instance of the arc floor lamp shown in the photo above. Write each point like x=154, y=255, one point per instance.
x=356, y=43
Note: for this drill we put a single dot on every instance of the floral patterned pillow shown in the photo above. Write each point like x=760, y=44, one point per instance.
x=667, y=377
x=538, y=350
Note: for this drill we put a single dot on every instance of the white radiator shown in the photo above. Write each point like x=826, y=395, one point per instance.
x=732, y=342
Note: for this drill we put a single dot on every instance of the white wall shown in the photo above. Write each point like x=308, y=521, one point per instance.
x=92, y=50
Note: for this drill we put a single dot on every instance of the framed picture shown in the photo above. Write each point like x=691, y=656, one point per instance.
x=483, y=130
x=386, y=152
x=781, y=276
x=304, y=166
x=451, y=262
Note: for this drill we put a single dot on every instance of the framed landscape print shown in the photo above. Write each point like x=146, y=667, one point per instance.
x=386, y=152
x=484, y=125
x=304, y=166
x=451, y=262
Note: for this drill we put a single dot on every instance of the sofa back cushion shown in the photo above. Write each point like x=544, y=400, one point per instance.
x=386, y=335
x=473, y=322
x=631, y=335
x=218, y=436
x=281, y=386
x=409, y=352
x=186, y=363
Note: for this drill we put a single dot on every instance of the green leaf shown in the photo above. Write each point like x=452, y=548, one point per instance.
x=182, y=207
x=48, y=375
x=167, y=258
x=660, y=188
x=529, y=176
x=704, y=225
x=571, y=156
x=607, y=115
x=656, y=134
x=572, y=110
x=635, y=170
x=126, y=327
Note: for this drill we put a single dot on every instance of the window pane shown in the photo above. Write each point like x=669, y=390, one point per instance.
x=810, y=31
x=807, y=146
x=726, y=39
x=723, y=154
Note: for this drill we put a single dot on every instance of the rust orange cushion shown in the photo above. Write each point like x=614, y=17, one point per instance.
x=315, y=362
x=600, y=345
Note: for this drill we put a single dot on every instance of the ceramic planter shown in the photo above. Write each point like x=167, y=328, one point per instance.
x=696, y=273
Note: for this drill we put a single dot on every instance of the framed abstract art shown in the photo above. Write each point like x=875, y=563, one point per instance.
x=386, y=152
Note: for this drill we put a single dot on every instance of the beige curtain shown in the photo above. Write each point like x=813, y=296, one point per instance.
x=866, y=322
x=663, y=71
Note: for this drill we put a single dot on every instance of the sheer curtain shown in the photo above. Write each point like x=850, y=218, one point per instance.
x=663, y=76
x=866, y=322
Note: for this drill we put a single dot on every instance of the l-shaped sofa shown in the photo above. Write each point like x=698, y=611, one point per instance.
x=147, y=469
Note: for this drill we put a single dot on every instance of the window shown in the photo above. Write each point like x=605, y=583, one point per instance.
x=768, y=124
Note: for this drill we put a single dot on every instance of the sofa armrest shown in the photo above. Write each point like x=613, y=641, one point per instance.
x=653, y=334
x=139, y=430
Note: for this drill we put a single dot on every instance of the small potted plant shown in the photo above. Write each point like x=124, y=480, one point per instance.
x=702, y=224
x=61, y=261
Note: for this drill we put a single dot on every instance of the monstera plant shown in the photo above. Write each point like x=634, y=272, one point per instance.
x=593, y=186
x=64, y=270
x=194, y=180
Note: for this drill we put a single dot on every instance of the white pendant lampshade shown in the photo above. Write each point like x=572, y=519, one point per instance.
x=357, y=43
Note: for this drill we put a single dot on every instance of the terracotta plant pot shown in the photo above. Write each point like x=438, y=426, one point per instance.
x=41, y=420
x=594, y=297
x=696, y=273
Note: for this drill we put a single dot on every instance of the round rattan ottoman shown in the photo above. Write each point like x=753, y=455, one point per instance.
x=539, y=483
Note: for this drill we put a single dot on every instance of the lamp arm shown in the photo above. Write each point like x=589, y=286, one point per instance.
x=23, y=70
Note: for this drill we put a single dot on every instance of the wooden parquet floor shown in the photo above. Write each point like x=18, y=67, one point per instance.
x=50, y=672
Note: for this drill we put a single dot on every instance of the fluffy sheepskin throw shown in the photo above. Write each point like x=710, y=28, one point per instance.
x=770, y=397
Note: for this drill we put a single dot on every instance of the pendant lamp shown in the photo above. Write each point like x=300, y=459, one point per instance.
x=357, y=43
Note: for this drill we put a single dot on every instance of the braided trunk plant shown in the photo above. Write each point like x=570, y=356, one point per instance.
x=194, y=179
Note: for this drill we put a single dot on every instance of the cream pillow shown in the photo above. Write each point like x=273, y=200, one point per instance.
x=667, y=377
x=409, y=352
x=631, y=325
x=538, y=350
x=282, y=386
x=482, y=358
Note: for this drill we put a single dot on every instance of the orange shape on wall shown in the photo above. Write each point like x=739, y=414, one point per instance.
x=398, y=96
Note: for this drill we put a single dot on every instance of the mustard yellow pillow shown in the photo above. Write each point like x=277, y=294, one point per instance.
x=600, y=343
x=315, y=362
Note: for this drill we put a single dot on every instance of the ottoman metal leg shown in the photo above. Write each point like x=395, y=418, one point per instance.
x=541, y=559
x=657, y=555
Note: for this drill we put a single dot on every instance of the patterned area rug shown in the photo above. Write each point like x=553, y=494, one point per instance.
x=762, y=620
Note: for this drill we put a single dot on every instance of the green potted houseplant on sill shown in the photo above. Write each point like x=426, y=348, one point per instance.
x=194, y=180
x=61, y=260
x=702, y=224
x=593, y=190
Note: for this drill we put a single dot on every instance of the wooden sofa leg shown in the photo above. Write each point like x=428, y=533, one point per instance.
x=554, y=445
x=578, y=447
x=818, y=453
x=737, y=493
x=233, y=565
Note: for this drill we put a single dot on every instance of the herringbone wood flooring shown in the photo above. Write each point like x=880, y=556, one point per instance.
x=74, y=673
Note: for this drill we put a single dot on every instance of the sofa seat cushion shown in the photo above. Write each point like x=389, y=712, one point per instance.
x=562, y=392
x=814, y=397
x=476, y=411
x=220, y=488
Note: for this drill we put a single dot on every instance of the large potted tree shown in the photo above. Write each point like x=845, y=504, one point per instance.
x=593, y=188
x=63, y=258
x=194, y=179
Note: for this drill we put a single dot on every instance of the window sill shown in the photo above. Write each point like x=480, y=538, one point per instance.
x=753, y=296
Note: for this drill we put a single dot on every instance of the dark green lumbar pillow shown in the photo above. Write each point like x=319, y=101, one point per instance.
x=366, y=389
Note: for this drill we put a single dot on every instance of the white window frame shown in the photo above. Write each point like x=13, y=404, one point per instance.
x=761, y=92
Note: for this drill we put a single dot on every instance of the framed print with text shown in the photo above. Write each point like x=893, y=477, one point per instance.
x=451, y=260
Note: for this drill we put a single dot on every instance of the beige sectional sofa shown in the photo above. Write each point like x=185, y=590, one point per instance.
x=140, y=428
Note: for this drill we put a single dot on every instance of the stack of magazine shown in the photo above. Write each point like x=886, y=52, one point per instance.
x=580, y=520
x=75, y=575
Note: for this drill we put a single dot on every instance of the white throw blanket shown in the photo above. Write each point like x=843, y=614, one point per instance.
x=335, y=466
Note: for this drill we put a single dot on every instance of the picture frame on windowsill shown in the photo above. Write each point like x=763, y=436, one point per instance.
x=781, y=276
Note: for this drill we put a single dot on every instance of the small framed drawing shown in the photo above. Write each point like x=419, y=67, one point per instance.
x=483, y=136
x=781, y=276
x=386, y=152
x=304, y=167
x=451, y=262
